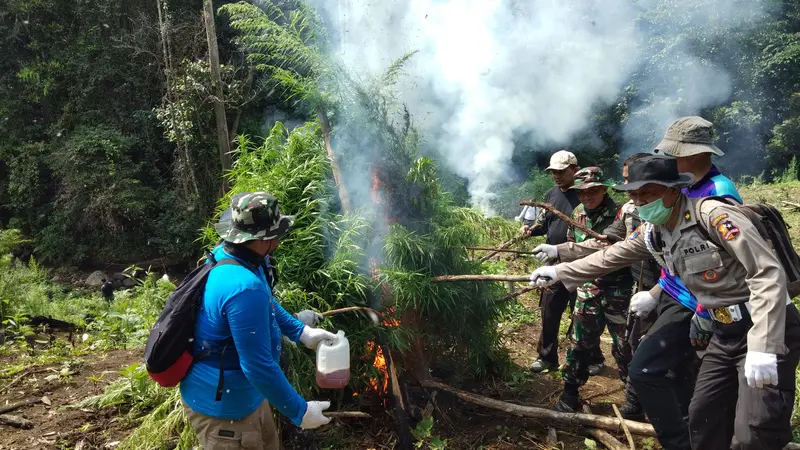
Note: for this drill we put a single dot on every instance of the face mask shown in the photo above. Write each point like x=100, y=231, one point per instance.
x=655, y=212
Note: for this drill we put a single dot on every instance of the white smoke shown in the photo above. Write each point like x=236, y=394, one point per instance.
x=488, y=71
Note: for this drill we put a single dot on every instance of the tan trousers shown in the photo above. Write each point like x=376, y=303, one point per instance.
x=256, y=431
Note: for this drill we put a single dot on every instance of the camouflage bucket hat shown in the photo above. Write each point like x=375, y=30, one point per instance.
x=254, y=217
x=688, y=136
x=589, y=177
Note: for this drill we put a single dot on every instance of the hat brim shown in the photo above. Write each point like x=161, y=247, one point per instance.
x=558, y=167
x=582, y=186
x=684, y=180
x=233, y=235
x=679, y=149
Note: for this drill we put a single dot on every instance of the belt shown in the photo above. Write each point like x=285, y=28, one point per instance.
x=734, y=313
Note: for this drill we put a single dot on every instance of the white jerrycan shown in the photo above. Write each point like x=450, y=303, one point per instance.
x=333, y=362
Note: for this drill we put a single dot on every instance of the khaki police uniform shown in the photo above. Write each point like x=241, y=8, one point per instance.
x=737, y=276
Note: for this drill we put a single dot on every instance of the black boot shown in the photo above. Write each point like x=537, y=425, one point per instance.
x=569, y=400
x=632, y=410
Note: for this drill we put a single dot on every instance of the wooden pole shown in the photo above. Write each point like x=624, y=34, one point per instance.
x=18, y=405
x=497, y=250
x=566, y=219
x=590, y=420
x=219, y=96
x=451, y=278
x=346, y=414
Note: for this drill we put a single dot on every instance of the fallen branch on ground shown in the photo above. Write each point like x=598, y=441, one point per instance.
x=792, y=204
x=591, y=420
x=624, y=427
x=566, y=219
x=603, y=436
x=18, y=405
x=15, y=421
x=22, y=375
x=347, y=414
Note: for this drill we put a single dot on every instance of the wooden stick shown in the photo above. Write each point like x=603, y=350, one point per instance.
x=497, y=250
x=346, y=414
x=552, y=437
x=447, y=278
x=18, y=405
x=15, y=421
x=348, y=309
x=792, y=204
x=519, y=292
x=624, y=426
x=603, y=436
x=591, y=420
x=566, y=219
x=502, y=246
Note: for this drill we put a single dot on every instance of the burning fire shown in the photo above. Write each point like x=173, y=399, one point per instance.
x=380, y=364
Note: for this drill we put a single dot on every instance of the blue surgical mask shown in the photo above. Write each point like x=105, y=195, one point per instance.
x=655, y=212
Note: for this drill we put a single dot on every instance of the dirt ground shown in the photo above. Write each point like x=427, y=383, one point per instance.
x=465, y=426
x=57, y=427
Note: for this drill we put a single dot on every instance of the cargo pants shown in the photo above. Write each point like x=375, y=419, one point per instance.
x=726, y=413
x=256, y=431
x=591, y=317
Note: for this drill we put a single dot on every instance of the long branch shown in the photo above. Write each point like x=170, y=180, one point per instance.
x=566, y=219
x=591, y=420
x=449, y=278
x=496, y=250
x=503, y=246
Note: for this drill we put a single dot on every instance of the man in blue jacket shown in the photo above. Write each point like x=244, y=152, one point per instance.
x=240, y=325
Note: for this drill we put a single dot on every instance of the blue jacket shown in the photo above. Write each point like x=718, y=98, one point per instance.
x=238, y=304
x=714, y=183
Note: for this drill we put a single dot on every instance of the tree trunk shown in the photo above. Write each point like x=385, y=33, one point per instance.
x=337, y=172
x=219, y=96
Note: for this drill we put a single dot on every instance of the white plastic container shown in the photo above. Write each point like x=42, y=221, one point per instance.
x=333, y=363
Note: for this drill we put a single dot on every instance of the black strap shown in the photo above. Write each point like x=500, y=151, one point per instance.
x=221, y=379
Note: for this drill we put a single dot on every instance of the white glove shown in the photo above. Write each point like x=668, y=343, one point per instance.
x=642, y=303
x=309, y=317
x=311, y=337
x=760, y=369
x=545, y=253
x=544, y=276
x=313, y=417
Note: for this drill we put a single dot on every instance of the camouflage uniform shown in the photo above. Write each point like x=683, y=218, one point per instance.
x=601, y=303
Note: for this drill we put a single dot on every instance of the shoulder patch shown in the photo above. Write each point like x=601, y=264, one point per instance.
x=634, y=234
x=719, y=219
x=687, y=216
x=726, y=228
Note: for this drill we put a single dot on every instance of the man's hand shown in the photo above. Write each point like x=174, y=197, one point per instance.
x=545, y=253
x=525, y=230
x=311, y=337
x=544, y=276
x=313, y=417
x=760, y=369
x=309, y=317
x=642, y=303
x=700, y=331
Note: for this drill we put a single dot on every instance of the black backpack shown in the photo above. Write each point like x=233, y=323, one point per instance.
x=169, y=351
x=770, y=224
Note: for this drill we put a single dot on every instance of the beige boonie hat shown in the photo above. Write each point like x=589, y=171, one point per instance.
x=688, y=136
x=561, y=160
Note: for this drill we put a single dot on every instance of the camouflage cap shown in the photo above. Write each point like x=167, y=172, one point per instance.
x=254, y=217
x=688, y=136
x=589, y=177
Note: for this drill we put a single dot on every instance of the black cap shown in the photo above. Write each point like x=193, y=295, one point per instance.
x=654, y=169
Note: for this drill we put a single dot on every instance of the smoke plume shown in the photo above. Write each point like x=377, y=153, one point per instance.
x=489, y=71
